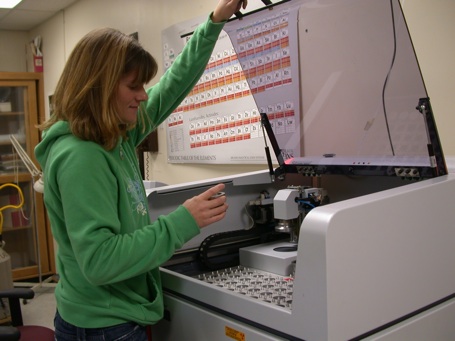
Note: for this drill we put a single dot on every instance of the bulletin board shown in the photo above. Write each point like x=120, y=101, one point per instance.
x=219, y=121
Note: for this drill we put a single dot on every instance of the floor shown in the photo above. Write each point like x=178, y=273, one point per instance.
x=40, y=310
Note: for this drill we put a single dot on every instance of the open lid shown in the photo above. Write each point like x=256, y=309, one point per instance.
x=363, y=108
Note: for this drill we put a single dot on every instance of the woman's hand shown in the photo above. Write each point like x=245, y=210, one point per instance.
x=206, y=210
x=226, y=8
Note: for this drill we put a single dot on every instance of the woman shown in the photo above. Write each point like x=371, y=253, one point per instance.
x=109, y=251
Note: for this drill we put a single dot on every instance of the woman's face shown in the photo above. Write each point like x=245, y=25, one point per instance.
x=129, y=95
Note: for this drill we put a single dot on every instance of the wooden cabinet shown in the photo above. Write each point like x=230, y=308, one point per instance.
x=26, y=231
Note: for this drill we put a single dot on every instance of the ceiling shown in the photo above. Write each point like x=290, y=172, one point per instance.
x=30, y=13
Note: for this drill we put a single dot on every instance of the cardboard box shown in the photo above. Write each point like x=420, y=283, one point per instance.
x=5, y=106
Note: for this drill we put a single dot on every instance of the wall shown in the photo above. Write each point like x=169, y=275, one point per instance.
x=148, y=18
x=430, y=23
x=431, y=26
x=12, y=51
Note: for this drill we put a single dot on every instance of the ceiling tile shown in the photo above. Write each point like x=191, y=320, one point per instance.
x=31, y=13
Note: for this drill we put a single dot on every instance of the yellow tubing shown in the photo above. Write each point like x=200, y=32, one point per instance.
x=21, y=196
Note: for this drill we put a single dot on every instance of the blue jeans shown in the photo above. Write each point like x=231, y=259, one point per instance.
x=65, y=331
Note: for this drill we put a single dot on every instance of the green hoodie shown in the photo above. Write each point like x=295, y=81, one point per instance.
x=109, y=252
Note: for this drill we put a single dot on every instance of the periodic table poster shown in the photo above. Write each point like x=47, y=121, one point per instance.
x=253, y=69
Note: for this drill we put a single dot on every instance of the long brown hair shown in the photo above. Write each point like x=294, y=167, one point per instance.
x=85, y=93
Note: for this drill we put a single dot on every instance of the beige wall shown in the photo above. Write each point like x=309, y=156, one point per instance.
x=13, y=51
x=432, y=27
x=430, y=23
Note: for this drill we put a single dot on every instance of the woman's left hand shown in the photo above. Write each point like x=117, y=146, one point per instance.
x=226, y=8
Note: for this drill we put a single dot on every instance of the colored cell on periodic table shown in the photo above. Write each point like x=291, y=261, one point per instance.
x=287, y=76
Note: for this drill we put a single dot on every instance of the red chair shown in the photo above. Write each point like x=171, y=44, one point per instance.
x=17, y=330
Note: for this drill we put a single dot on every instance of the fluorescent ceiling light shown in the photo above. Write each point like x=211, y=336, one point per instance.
x=9, y=3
